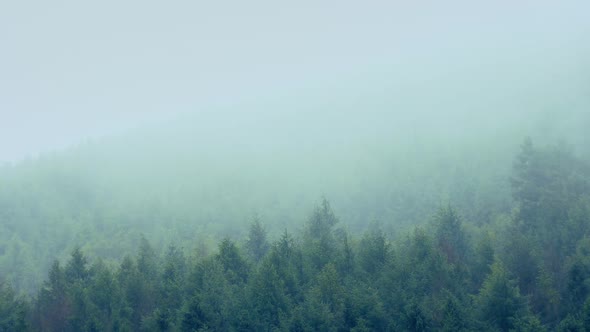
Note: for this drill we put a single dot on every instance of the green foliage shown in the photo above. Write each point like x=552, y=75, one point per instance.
x=415, y=319
x=364, y=307
x=322, y=220
x=528, y=323
x=13, y=310
x=578, y=274
x=522, y=260
x=548, y=186
x=319, y=240
x=257, y=243
x=499, y=301
x=373, y=251
x=193, y=316
x=53, y=306
x=571, y=324
x=77, y=270
x=451, y=238
x=455, y=316
x=483, y=260
x=147, y=259
x=268, y=298
x=235, y=266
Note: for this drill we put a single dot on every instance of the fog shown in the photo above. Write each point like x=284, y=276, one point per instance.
x=73, y=71
x=182, y=122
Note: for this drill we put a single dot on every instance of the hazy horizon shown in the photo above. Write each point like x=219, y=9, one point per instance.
x=70, y=72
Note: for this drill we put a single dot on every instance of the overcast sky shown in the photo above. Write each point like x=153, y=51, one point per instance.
x=70, y=70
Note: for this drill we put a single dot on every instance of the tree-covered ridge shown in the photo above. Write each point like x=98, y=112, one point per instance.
x=524, y=271
x=170, y=188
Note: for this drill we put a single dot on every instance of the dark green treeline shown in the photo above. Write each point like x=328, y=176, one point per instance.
x=527, y=271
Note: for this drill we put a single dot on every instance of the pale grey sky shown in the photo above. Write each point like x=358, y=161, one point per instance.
x=70, y=70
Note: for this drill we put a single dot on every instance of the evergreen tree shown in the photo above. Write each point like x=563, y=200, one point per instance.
x=193, y=316
x=455, y=317
x=450, y=237
x=76, y=269
x=483, y=259
x=147, y=260
x=236, y=268
x=268, y=298
x=571, y=324
x=499, y=301
x=319, y=240
x=53, y=305
x=257, y=243
x=415, y=319
x=13, y=311
x=373, y=251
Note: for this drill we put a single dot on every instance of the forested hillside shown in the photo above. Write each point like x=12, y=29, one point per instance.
x=295, y=166
x=192, y=184
x=521, y=268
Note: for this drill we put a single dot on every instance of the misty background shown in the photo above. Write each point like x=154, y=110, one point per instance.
x=181, y=121
x=71, y=71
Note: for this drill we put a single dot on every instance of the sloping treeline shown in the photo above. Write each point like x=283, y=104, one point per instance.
x=527, y=271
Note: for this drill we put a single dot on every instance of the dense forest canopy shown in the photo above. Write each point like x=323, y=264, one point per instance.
x=459, y=243
x=168, y=184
